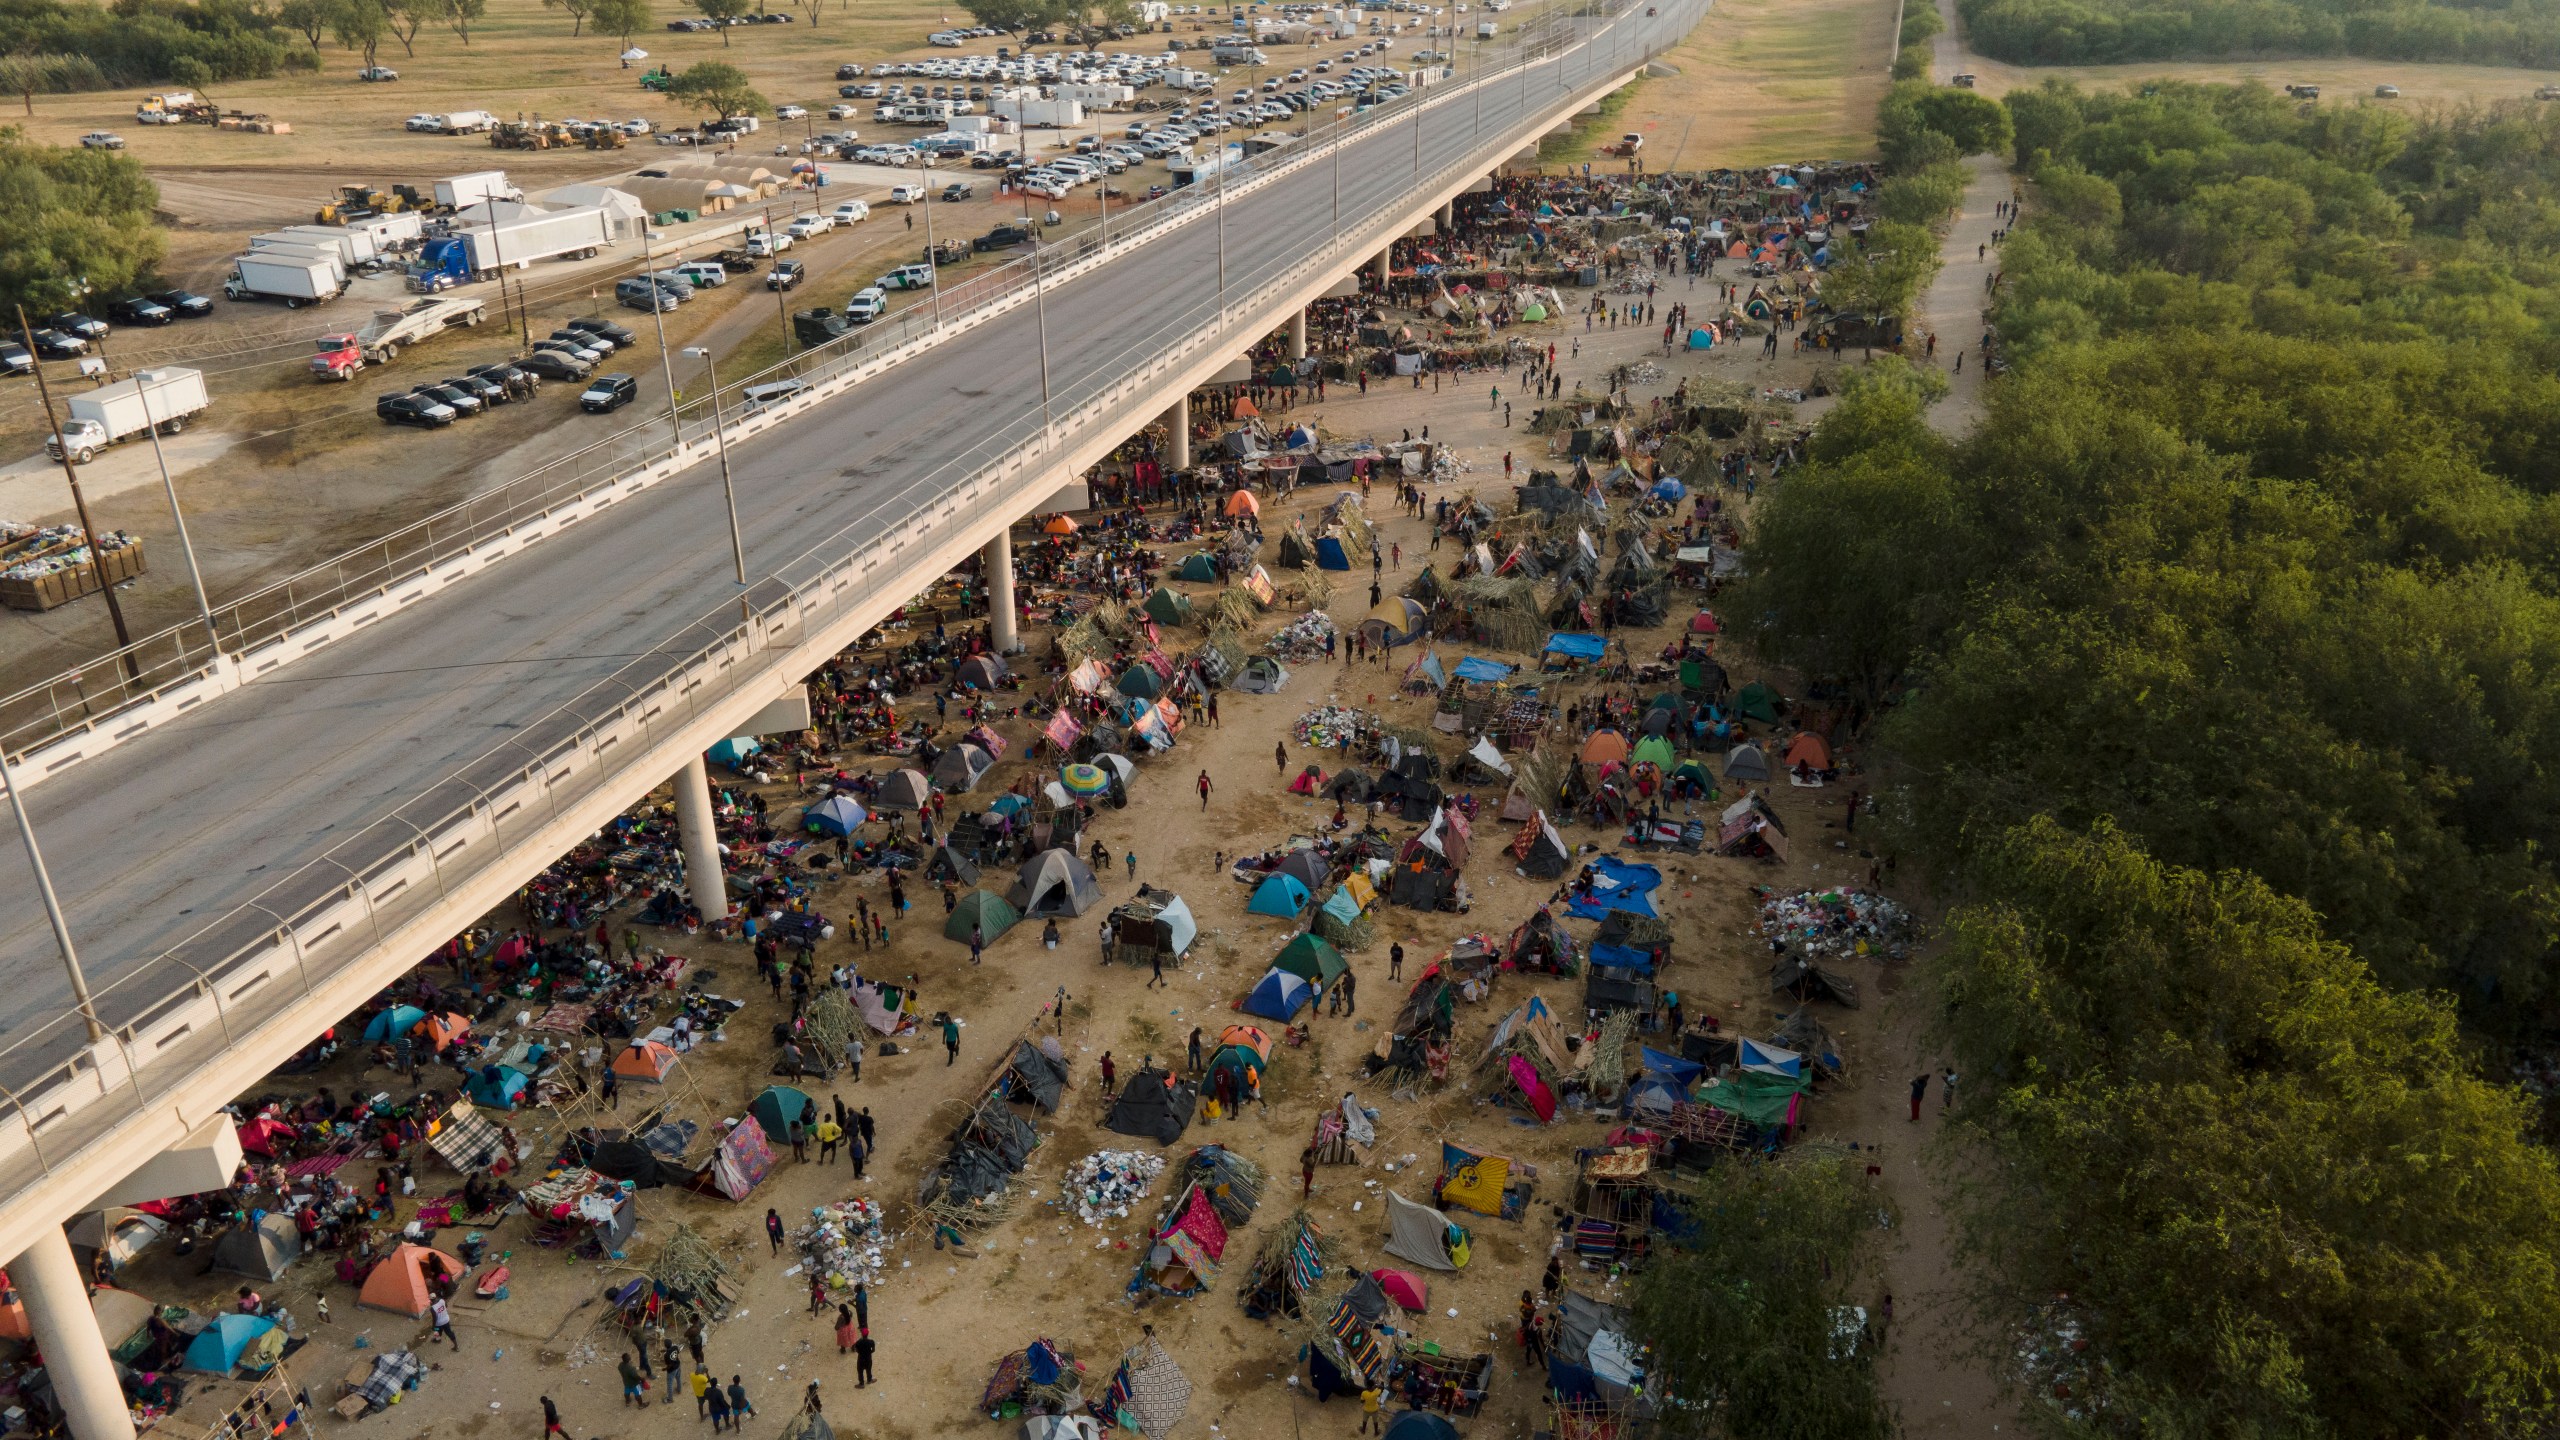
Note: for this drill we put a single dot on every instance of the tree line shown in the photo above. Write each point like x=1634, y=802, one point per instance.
x=2104, y=32
x=2211, y=676
x=62, y=45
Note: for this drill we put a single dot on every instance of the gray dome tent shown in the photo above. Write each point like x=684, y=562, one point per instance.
x=903, y=790
x=1746, y=762
x=960, y=766
x=1055, y=882
x=260, y=1251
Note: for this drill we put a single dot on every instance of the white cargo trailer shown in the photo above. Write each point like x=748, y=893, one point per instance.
x=461, y=191
x=295, y=278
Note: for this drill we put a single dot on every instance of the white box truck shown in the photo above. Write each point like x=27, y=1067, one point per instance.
x=458, y=191
x=390, y=232
x=167, y=398
x=294, y=278
x=294, y=247
x=354, y=247
x=467, y=122
x=474, y=252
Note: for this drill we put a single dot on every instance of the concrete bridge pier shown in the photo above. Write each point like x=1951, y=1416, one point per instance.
x=1386, y=268
x=1177, y=426
x=49, y=1283
x=1298, y=335
x=998, y=559
x=701, y=841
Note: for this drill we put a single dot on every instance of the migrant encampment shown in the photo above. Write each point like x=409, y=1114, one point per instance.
x=1055, y=882
x=903, y=790
x=784, y=1112
x=1148, y=1393
x=1037, y=1073
x=1167, y=606
x=1479, y=1181
x=960, y=766
x=1154, y=1105
x=739, y=1163
x=981, y=672
x=1155, y=926
x=949, y=864
x=1746, y=762
x=1539, y=849
x=1285, y=1270
x=1262, y=675
x=645, y=1060
x=835, y=815
x=232, y=1341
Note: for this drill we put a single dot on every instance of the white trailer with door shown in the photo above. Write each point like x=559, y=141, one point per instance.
x=516, y=241
x=295, y=277
x=458, y=192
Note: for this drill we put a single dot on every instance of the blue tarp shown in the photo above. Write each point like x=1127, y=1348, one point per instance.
x=1579, y=647
x=1342, y=907
x=1622, y=886
x=1279, y=996
x=1769, y=1059
x=218, y=1347
x=1330, y=554
x=1671, y=1066
x=1622, y=957
x=1472, y=668
x=1667, y=488
x=1282, y=895
x=499, y=1086
x=734, y=749
x=393, y=1023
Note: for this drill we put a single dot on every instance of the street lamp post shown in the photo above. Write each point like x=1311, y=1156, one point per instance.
x=195, y=573
x=658, y=318
x=932, y=258
x=728, y=486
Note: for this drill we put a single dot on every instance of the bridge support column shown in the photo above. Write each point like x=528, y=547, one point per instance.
x=1177, y=429
x=701, y=841
x=998, y=559
x=1447, y=219
x=1386, y=269
x=48, y=1280
x=1298, y=334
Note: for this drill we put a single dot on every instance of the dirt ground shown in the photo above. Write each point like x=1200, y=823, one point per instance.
x=941, y=1321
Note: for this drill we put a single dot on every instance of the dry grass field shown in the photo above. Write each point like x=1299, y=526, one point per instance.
x=1759, y=81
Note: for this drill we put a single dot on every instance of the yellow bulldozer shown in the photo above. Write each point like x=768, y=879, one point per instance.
x=356, y=201
x=605, y=137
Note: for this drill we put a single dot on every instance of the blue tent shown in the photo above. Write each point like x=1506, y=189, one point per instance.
x=1008, y=805
x=1622, y=957
x=499, y=1086
x=1420, y=1425
x=218, y=1348
x=1279, y=996
x=1623, y=885
x=1282, y=895
x=393, y=1023
x=1701, y=340
x=835, y=815
x=1770, y=1060
x=1667, y=488
x=734, y=749
x=1330, y=554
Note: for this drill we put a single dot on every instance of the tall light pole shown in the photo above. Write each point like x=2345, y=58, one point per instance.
x=1040, y=306
x=932, y=258
x=53, y=909
x=658, y=318
x=728, y=487
x=195, y=573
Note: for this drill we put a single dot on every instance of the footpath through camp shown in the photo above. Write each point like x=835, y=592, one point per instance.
x=1372, y=897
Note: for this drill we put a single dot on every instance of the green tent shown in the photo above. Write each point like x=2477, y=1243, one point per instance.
x=1755, y=1095
x=1167, y=608
x=778, y=1109
x=1311, y=960
x=1199, y=569
x=1655, y=749
x=985, y=910
x=1757, y=702
x=1141, y=682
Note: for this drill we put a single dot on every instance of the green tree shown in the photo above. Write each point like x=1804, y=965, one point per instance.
x=28, y=73
x=405, y=18
x=362, y=25
x=620, y=18
x=72, y=222
x=313, y=19
x=1015, y=14
x=2276, y=1198
x=718, y=89
x=1752, y=1318
x=722, y=12
x=577, y=10
x=460, y=14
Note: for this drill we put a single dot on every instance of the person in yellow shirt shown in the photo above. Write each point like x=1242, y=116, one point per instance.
x=701, y=1382
x=830, y=1134
x=1371, y=1400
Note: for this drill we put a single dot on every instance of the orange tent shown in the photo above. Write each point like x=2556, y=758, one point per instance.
x=1251, y=1037
x=1245, y=409
x=1241, y=502
x=1604, y=747
x=1808, y=749
x=1060, y=525
x=645, y=1060
x=443, y=1030
x=399, y=1283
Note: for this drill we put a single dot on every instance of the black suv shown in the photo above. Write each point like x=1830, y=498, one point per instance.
x=188, y=304
x=413, y=410
x=785, y=274
x=622, y=339
x=72, y=322
x=1000, y=238
x=607, y=393
x=141, y=310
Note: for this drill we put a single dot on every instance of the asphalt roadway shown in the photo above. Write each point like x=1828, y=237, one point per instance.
x=153, y=841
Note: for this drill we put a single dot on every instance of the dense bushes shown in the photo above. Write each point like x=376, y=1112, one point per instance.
x=70, y=216
x=142, y=42
x=2099, y=32
x=2216, y=678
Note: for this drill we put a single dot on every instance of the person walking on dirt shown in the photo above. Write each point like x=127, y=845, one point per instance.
x=773, y=1229
x=863, y=1350
x=1204, y=787
x=1919, y=1092
x=950, y=1041
x=551, y=1414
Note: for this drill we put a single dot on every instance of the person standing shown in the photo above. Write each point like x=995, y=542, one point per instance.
x=1849, y=822
x=635, y=1386
x=853, y=1057
x=719, y=1400
x=1132, y=860
x=701, y=1385
x=1203, y=784
x=1946, y=1098
x=855, y=1149
x=612, y=1089
x=675, y=1371
x=1196, y=1066
x=1349, y=985
x=862, y=1122
x=1280, y=755
x=443, y=1313
x=1919, y=1092
x=846, y=1331
x=740, y=1407
x=1306, y=1172
x=773, y=1229
x=551, y=1418
x=1372, y=1400
x=977, y=944
x=950, y=1041
x=830, y=1134
x=1110, y=1076
x=1395, y=961
x=863, y=1350
x=861, y=1305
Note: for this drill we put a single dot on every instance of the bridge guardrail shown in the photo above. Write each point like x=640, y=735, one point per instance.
x=208, y=992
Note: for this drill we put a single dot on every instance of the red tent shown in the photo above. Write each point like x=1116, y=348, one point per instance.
x=1405, y=1288
x=259, y=1135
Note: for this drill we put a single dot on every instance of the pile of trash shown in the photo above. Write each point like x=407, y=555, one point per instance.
x=1106, y=1181
x=1834, y=922
x=1644, y=372
x=1303, y=637
x=843, y=1244
x=1326, y=726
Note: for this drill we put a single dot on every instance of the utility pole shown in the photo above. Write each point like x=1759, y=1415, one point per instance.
x=80, y=504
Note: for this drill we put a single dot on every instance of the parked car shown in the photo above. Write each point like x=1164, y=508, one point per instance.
x=842, y=112
x=102, y=140
x=586, y=339
x=54, y=345
x=552, y=365
x=506, y=375
x=785, y=275
x=595, y=325
x=608, y=393
x=907, y=277
x=141, y=310
x=790, y=112
x=16, y=359
x=462, y=401
x=378, y=74
x=906, y=194
x=575, y=348
x=188, y=304
x=1001, y=237
x=640, y=294
x=413, y=409
x=487, y=391
x=808, y=227
x=423, y=124
x=851, y=212
x=957, y=190
x=87, y=327
x=868, y=304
